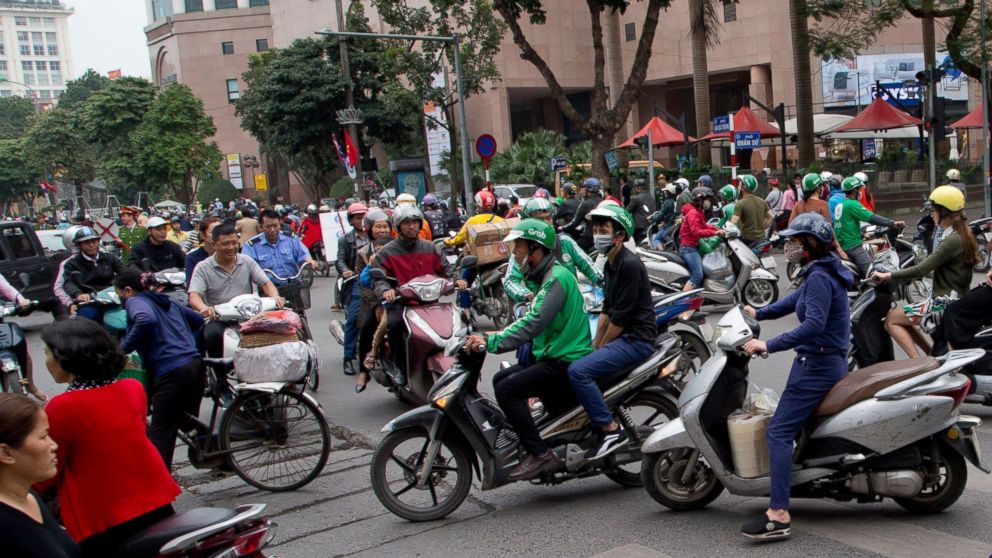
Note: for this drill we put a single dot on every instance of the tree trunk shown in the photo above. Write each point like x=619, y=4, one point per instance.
x=700, y=78
x=804, y=88
x=614, y=66
x=601, y=143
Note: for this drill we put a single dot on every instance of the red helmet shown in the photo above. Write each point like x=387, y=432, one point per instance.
x=357, y=208
x=485, y=200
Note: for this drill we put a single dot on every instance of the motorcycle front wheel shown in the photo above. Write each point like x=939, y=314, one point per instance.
x=759, y=293
x=983, y=262
x=662, y=475
x=395, y=471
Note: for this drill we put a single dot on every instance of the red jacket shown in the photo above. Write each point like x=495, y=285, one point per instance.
x=404, y=262
x=311, y=232
x=694, y=226
x=109, y=471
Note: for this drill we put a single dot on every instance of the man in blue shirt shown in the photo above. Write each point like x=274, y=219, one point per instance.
x=280, y=254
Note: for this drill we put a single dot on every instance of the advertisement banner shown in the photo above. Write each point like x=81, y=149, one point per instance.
x=234, y=170
x=438, y=137
x=852, y=82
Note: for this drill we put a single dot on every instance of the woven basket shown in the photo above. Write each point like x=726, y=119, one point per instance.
x=264, y=339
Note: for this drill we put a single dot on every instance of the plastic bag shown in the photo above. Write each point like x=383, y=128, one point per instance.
x=283, y=362
x=716, y=265
x=708, y=245
x=273, y=321
x=762, y=402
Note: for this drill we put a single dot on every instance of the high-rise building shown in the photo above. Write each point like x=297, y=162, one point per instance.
x=205, y=45
x=35, y=60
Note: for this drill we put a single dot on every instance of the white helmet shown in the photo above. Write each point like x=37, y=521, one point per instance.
x=861, y=176
x=954, y=175
x=825, y=175
x=683, y=181
x=325, y=209
x=405, y=198
x=671, y=189
x=278, y=207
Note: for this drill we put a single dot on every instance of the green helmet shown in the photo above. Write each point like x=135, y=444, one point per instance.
x=748, y=182
x=616, y=214
x=534, y=230
x=537, y=205
x=728, y=193
x=812, y=181
x=851, y=183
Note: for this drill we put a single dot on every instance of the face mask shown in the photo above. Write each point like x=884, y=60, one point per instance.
x=707, y=205
x=602, y=242
x=793, y=252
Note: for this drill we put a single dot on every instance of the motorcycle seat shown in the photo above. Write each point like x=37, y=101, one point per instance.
x=864, y=383
x=674, y=258
x=147, y=542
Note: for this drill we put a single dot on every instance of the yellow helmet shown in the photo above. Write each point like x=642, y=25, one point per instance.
x=948, y=197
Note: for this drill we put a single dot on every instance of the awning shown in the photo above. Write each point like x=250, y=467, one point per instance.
x=879, y=115
x=746, y=121
x=891, y=134
x=662, y=134
x=168, y=203
x=972, y=120
x=822, y=123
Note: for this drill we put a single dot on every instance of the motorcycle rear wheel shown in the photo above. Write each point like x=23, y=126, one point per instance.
x=983, y=264
x=451, y=459
x=661, y=474
x=659, y=410
x=950, y=486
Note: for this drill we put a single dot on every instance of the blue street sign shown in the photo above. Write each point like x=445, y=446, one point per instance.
x=721, y=124
x=611, y=160
x=485, y=146
x=868, y=149
x=558, y=163
x=747, y=140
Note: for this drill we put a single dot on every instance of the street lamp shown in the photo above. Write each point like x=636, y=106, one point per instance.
x=34, y=94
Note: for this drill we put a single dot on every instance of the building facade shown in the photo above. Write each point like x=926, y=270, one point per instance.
x=35, y=61
x=205, y=44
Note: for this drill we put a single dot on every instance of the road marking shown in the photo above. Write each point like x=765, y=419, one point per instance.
x=631, y=551
x=884, y=536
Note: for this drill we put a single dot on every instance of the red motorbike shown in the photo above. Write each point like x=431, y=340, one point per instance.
x=203, y=533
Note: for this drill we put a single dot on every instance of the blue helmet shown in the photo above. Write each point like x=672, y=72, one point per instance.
x=591, y=185
x=812, y=224
x=706, y=180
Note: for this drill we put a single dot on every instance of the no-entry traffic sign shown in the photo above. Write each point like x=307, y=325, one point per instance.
x=485, y=146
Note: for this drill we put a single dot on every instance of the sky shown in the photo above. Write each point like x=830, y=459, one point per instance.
x=109, y=35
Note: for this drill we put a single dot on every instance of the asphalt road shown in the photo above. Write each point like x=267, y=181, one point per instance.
x=338, y=515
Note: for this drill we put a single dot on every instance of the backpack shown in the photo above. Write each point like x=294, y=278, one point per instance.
x=435, y=217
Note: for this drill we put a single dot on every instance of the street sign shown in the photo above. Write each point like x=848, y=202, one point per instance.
x=611, y=160
x=558, y=163
x=747, y=140
x=485, y=146
x=721, y=124
x=868, y=149
x=107, y=229
x=261, y=183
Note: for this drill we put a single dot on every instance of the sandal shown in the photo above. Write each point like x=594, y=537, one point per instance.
x=360, y=386
x=37, y=393
x=766, y=529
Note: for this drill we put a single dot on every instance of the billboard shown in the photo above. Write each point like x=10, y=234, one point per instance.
x=852, y=82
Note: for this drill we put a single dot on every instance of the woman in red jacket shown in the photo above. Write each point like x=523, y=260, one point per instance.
x=112, y=481
x=694, y=227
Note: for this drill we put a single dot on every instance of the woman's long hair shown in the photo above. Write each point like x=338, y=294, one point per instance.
x=961, y=227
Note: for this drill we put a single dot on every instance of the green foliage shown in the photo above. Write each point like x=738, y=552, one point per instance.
x=216, y=188
x=15, y=114
x=56, y=146
x=527, y=159
x=79, y=90
x=19, y=178
x=343, y=187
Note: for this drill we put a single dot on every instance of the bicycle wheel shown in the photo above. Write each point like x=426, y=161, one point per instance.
x=277, y=441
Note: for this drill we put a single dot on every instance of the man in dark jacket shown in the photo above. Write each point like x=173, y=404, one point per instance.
x=641, y=205
x=88, y=271
x=569, y=204
x=161, y=254
x=578, y=229
x=346, y=265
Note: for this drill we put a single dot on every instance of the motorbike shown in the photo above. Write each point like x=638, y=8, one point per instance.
x=751, y=279
x=890, y=430
x=422, y=469
x=11, y=335
x=114, y=315
x=172, y=282
x=982, y=229
x=204, y=532
x=488, y=297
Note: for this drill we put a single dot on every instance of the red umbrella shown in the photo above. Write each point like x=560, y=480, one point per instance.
x=972, y=120
x=746, y=121
x=662, y=135
x=879, y=115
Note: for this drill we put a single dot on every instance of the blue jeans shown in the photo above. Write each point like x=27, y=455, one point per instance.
x=694, y=261
x=90, y=312
x=351, y=322
x=809, y=381
x=583, y=373
x=660, y=236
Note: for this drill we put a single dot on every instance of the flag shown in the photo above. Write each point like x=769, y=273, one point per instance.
x=352, y=154
x=342, y=155
x=47, y=187
x=114, y=74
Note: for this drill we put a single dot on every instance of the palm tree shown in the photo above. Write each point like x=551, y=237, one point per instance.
x=804, y=88
x=704, y=28
x=526, y=161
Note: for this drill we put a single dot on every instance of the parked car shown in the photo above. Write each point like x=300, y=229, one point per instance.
x=523, y=192
x=22, y=252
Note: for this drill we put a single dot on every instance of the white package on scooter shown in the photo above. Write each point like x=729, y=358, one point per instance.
x=282, y=362
x=716, y=265
x=747, y=433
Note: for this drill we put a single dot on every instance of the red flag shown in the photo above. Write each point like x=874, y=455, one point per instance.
x=46, y=187
x=114, y=74
x=352, y=150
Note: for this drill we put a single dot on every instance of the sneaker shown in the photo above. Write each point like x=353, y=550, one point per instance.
x=609, y=442
x=765, y=529
x=349, y=368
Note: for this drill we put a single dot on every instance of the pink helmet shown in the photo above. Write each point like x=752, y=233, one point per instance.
x=357, y=208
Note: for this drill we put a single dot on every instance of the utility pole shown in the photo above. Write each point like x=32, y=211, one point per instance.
x=351, y=117
x=929, y=56
x=985, y=117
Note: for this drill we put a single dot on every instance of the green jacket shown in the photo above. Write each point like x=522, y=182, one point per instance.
x=556, y=324
x=567, y=253
x=130, y=237
x=726, y=214
x=950, y=272
x=848, y=216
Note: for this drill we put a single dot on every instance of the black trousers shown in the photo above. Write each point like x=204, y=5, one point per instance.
x=366, y=332
x=213, y=338
x=396, y=334
x=107, y=543
x=547, y=380
x=175, y=396
x=965, y=317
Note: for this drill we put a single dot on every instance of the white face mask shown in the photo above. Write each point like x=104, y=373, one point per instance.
x=602, y=242
x=793, y=252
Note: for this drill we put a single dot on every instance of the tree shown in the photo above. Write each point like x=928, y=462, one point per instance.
x=15, y=116
x=81, y=88
x=799, y=26
x=704, y=32
x=171, y=147
x=605, y=120
x=19, y=178
x=527, y=159
x=55, y=145
x=216, y=188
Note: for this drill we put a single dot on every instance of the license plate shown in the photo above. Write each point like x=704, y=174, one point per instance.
x=768, y=262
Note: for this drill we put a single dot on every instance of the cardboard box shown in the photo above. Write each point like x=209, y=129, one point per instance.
x=485, y=241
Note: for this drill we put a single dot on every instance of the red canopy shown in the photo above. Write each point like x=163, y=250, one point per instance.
x=746, y=121
x=972, y=120
x=879, y=115
x=662, y=135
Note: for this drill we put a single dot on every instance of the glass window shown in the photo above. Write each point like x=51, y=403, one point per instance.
x=41, y=66
x=161, y=9
x=53, y=50
x=25, y=50
x=729, y=12
x=3, y=65
x=261, y=45
x=29, y=78
x=37, y=36
x=232, y=90
x=50, y=37
x=34, y=21
x=45, y=94
x=194, y=6
x=629, y=32
x=227, y=47
x=22, y=36
x=49, y=22
x=39, y=50
x=27, y=66
x=55, y=65
x=57, y=93
x=227, y=4
x=42, y=78
x=5, y=93
x=3, y=49
x=19, y=242
x=22, y=21
x=254, y=3
x=56, y=77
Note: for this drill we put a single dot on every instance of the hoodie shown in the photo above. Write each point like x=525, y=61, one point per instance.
x=694, y=226
x=161, y=332
x=823, y=310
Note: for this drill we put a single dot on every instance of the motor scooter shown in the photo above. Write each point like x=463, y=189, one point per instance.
x=11, y=335
x=750, y=278
x=204, y=532
x=422, y=469
x=982, y=229
x=890, y=430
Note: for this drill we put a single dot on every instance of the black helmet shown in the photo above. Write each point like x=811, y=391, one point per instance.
x=84, y=234
x=640, y=183
x=701, y=192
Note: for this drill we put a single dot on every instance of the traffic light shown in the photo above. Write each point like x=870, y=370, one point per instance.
x=933, y=74
x=938, y=122
x=642, y=142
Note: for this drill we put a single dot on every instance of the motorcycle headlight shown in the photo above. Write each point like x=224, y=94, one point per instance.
x=920, y=251
x=429, y=292
x=249, y=308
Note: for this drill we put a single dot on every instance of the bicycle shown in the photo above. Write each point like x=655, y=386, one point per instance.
x=273, y=435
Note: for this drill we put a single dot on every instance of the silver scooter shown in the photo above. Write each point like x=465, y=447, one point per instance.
x=752, y=280
x=891, y=429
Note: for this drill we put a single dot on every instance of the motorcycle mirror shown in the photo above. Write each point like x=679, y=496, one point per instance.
x=25, y=279
x=377, y=273
x=470, y=261
x=146, y=264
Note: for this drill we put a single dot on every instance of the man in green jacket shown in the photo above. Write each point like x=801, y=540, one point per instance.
x=558, y=329
x=848, y=216
x=567, y=252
